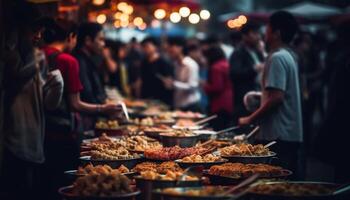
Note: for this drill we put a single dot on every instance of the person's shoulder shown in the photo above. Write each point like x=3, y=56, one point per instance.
x=67, y=58
x=190, y=62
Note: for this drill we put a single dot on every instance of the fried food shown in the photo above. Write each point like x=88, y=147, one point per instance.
x=159, y=168
x=172, y=153
x=245, y=150
x=101, y=184
x=292, y=189
x=100, y=169
x=109, y=124
x=169, y=176
x=110, y=151
x=179, y=133
x=185, y=123
x=239, y=170
x=141, y=143
x=144, y=122
x=201, y=159
x=159, y=128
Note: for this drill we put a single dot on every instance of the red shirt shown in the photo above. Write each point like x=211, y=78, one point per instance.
x=69, y=67
x=219, y=88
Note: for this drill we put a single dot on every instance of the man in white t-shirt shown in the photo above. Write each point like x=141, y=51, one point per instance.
x=186, y=82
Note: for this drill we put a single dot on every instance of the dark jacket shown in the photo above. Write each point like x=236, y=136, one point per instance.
x=243, y=77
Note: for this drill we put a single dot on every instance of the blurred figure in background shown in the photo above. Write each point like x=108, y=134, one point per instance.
x=280, y=113
x=63, y=125
x=134, y=61
x=245, y=64
x=333, y=132
x=186, y=80
x=219, y=88
x=154, y=68
x=29, y=89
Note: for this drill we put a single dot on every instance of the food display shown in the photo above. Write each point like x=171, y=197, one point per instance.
x=152, y=111
x=179, y=133
x=109, y=124
x=196, y=192
x=101, y=185
x=110, y=151
x=201, y=159
x=239, y=170
x=188, y=114
x=135, y=103
x=141, y=143
x=159, y=168
x=159, y=128
x=100, y=169
x=148, y=121
x=185, y=123
x=245, y=150
x=296, y=189
x=169, y=176
x=172, y=153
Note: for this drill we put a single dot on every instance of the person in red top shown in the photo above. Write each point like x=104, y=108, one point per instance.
x=62, y=129
x=219, y=88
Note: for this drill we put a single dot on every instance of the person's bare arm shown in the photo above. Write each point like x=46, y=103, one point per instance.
x=80, y=106
x=274, y=98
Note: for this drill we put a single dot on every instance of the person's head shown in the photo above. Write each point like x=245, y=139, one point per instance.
x=303, y=42
x=250, y=34
x=149, y=46
x=281, y=29
x=60, y=30
x=91, y=37
x=214, y=54
x=175, y=47
x=118, y=48
x=235, y=38
x=210, y=41
x=194, y=51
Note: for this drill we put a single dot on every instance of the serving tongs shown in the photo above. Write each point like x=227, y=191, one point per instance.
x=247, y=182
x=196, y=171
x=205, y=120
x=342, y=190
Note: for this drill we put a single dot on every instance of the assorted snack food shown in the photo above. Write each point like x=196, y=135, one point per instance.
x=172, y=153
x=245, y=150
x=106, y=184
x=179, y=133
x=201, y=159
x=159, y=168
x=239, y=170
x=109, y=124
x=169, y=176
x=100, y=169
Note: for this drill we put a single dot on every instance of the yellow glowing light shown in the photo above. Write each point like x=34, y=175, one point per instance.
x=242, y=19
x=124, y=17
x=117, y=15
x=205, y=14
x=98, y=2
x=193, y=18
x=142, y=26
x=101, y=18
x=184, y=11
x=138, y=21
x=159, y=13
x=129, y=10
x=175, y=17
x=231, y=23
x=237, y=23
x=116, y=24
x=122, y=6
x=124, y=24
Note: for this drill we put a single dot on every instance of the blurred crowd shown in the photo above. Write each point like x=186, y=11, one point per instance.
x=59, y=76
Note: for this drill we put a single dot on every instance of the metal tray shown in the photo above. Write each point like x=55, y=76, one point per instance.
x=251, y=159
x=129, y=163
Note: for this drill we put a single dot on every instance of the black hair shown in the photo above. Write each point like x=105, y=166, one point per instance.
x=133, y=40
x=87, y=30
x=177, y=41
x=149, y=40
x=191, y=47
x=211, y=40
x=249, y=27
x=57, y=30
x=214, y=54
x=285, y=23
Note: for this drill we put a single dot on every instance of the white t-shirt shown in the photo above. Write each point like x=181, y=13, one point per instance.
x=186, y=83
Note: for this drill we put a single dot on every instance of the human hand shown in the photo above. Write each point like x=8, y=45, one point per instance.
x=168, y=82
x=243, y=121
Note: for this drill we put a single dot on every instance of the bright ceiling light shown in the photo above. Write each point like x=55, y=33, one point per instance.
x=205, y=14
x=101, y=18
x=184, y=11
x=194, y=18
x=122, y=6
x=159, y=13
x=98, y=2
x=138, y=21
x=175, y=17
x=242, y=19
